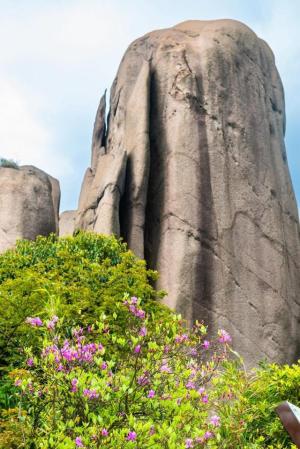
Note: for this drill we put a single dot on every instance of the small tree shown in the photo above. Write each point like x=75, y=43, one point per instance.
x=9, y=163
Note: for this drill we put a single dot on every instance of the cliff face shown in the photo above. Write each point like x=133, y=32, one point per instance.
x=29, y=204
x=192, y=172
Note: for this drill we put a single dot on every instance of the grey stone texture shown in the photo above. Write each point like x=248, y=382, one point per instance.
x=29, y=204
x=192, y=172
x=67, y=223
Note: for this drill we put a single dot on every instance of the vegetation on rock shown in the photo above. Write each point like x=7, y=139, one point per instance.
x=9, y=163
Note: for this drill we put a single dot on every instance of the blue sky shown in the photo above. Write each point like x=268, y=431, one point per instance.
x=58, y=56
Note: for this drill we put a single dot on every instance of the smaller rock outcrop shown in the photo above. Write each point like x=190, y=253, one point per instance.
x=103, y=184
x=29, y=204
x=67, y=223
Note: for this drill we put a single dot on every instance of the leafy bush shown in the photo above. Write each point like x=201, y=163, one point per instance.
x=250, y=422
x=9, y=163
x=149, y=387
x=80, y=276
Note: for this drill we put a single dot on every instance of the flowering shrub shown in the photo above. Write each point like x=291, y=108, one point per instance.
x=150, y=387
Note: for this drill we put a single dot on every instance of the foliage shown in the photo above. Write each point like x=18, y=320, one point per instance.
x=13, y=428
x=149, y=387
x=80, y=276
x=9, y=163
x=250, y=422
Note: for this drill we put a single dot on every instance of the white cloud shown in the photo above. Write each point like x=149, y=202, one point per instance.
x=70, y=33
x=23, y=137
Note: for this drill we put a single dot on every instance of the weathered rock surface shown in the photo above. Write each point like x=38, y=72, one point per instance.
x=67, y=223
x=29, y=204
x=196, y=129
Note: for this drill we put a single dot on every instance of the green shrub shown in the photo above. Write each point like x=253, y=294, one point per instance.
x=81, y=277
x=9, y=163
x=250, y=422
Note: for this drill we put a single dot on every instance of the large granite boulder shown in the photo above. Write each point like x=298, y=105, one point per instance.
x=29, y=204
x=196, y=129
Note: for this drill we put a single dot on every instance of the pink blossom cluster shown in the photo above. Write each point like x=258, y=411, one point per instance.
x=91, y=394
x=82, y=353
x=165, y=368
x=144, y=379
x=34, y=322
x=191, y=442
x=224, y=337
x=132, y=306
x=131, y=436
x=181, y=338
x=52, y=323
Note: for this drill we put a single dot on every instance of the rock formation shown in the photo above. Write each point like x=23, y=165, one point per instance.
x=29, y=204
x=67, y=223
x=192, y=172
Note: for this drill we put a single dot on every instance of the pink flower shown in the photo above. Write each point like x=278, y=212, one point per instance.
x=74, y=387
x=189, y=443
x=143, y=331
x=30, y=362
x=206, y=344
x=208, y=435
x=104, y=432
x=140, y=313
x=144, y=379
x=151, y=394
x=34, y=322
x=152, y=430
x=30, y=387
x=104, y=365
x=18, y=382
x=91, y=394
x=132, y=309
x=181, y=338
x=131, y=436
x=137, y=349
x=51, y=324
x=77, y=332
x=204, y=399
x=190, y=385
x=224, y=337
x=78, y=442
x=165, y=368
x=215, y=420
